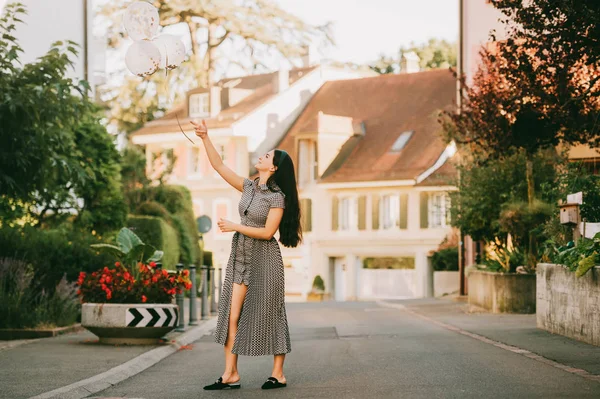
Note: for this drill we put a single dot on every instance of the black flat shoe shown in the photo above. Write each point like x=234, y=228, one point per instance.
x=219, y=384
x=272, y=383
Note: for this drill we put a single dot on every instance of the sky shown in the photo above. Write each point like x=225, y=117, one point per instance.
x=363, y=29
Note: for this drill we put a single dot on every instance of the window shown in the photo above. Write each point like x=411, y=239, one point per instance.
x=348, y=211
x=221, y=209
x=194, y=161
x=401, y=141
x=199, y=105
x=390, y=211
x=439, y=210
x=307, y=161
x=306, y=214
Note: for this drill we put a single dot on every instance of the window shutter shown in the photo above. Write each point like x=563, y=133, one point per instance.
x=362, y=212
x=306, y=214
x=375, y=212
x=315, y=161
x=424, y=210
x=334, y=213
x=403, y=211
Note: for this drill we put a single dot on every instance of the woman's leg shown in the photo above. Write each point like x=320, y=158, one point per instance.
x=278, y=368
x=237, y=299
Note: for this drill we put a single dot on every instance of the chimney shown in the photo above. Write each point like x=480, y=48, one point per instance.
x=281, y=81
x=309, y=56
x=410, y=63
x=215, y=101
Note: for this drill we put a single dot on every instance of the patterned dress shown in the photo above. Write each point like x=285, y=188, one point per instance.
x=262, y=327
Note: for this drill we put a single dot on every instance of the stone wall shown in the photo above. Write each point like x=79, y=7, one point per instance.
x=502, y=293
x=445, y=283
x=569, y=305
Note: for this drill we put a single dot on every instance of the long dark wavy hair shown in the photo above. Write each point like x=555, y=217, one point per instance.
x=290, y=231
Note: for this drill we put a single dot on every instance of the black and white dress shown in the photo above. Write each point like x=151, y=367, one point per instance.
x=262, y=327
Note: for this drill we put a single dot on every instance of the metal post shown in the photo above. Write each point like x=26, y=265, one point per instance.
x=213, y=304
x=180, y=304
x=205, y=310
x=220, y=283
x=193, y=321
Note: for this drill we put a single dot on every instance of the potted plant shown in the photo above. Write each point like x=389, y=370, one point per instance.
x=318, y=289
x=130, y=302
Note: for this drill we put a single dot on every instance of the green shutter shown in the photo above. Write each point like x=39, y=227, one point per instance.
x=308, y=214
x=403, y=211
x=424, y=210
x=362, y=212
x=375, y=211
x=334, y=213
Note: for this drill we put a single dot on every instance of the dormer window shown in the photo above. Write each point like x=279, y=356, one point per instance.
x=401, y=141
x=199, y=105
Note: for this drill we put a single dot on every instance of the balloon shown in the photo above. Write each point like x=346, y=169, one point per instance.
x=172, y=51
x=142, y=58
x=141, y=20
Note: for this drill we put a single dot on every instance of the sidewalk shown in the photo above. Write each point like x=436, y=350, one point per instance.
x=511, y=329
x=33, y=367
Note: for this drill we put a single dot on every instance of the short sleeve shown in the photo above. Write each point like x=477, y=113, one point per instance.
x=247, y=184
x=278, y=200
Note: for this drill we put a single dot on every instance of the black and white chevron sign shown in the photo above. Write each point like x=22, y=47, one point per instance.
x=151, y=317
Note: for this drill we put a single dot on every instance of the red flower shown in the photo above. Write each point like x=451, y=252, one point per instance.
x=108, y=279
x=105, y=270
x=165, y=273
x=154, y=279
x=144, y=299
x=188, y=286
x=78, y=292
x=117, y=264
x=152, y=264
x=186, y=273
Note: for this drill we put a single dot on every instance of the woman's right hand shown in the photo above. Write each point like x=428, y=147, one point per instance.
x=201, y=129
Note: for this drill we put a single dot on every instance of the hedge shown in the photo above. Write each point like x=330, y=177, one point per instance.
x=158, y=233
x=53, y=253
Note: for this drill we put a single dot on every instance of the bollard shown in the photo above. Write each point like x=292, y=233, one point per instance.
x=180, y=304
x=220, y=283
x=204, y=306
x=193, y=321
x=213, y=304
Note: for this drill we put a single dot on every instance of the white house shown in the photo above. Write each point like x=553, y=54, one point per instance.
x=374, y=177
x=246, y=117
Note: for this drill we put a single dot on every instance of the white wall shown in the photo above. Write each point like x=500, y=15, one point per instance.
x=479, y=19
x=49, y=21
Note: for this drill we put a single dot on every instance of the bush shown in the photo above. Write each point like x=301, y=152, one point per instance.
x=318, y=284
x=24, y=305
x=153, y=208
x=445, y=259
x=177, y=201
x=52, y=253
x=158, y=233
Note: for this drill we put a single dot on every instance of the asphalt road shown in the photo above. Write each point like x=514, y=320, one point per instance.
x=362, y=350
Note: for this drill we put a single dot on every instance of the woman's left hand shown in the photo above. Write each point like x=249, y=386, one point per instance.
x=226, y=226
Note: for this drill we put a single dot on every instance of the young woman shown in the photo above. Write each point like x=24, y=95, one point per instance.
x=252, y=320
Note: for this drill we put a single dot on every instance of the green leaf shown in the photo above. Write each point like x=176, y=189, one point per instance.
x=586, y=264
x=128, y=240
x=156, y=256
x=109, y=248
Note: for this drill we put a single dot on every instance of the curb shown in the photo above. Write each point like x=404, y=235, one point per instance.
x=21, y=333
x=107, y=379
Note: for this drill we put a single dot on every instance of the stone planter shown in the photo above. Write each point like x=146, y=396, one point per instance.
x=445, y=283
x=569, y=305
x=317, y=296
x=134, y=324
x=502, y=292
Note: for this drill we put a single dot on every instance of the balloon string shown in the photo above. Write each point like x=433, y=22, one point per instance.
x=169, y=94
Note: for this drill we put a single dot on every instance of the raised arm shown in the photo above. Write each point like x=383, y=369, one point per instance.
x=216, y=162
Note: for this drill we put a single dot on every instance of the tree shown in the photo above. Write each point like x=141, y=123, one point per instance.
x=56, y=159
x=433, y=54
x=239, y=32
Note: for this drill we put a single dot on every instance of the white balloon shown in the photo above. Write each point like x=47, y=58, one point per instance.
x=142, y=58
x=172, y=51
x=141, y=20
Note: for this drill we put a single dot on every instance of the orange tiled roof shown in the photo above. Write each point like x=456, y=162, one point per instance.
x=387, y=106
x=261, y=85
